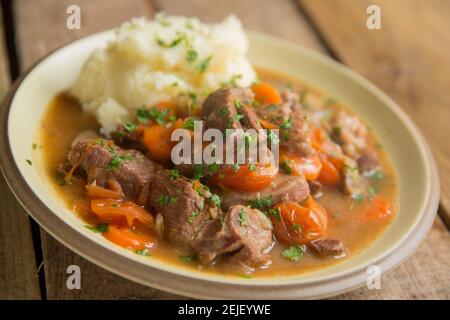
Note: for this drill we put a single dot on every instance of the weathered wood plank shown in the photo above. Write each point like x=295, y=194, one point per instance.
x=408, y=58
x=41, y=27
x=18, y=275
x=412, y=67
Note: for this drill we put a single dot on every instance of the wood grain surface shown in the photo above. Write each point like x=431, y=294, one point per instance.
x=18, y=274
x=394, y=60
x=408, y=58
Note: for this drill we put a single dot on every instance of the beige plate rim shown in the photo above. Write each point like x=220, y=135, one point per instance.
x=206, y=288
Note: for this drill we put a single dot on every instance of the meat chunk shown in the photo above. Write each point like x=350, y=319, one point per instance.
x=103, y=162
x=183, y=205
x=128, y=140
x=222, y=109
x=368, y=161
x=350, y=133
x=315, y=188
x=328, y=247
x=353, y=183
x=243, y=235
x=283, y=188
x=292, y=121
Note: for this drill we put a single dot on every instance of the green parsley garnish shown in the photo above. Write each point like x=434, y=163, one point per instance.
x=216, y=199
x=165, y=200
x=192, y=216
x=238, y=117
x=243, y=275
x=213, y=168
x=273, y=137
x=130, y=127
x=252, y=167
x=98, y=228
x=287, y=167
x=287, y=124
x=357, y=198
x=223, y=112
x=188, y=258
x=294, y=253
x=143, y=252
x=116, y=161
x=203, y=65
x=261, y=203
x=377, y=175
x=243, y=217
x=174, y=173
x=198, y=171
x=189, y=124
x=181, y=37
x=275, y=213
x=29, y=162
x=191, y=55
x=235, y=167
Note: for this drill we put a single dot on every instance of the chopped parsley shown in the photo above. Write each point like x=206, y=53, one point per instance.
x=243, y=217
x=295, y=227
x=287, y=167
x=216, y=199
x=143, y=252
x=189, y=124
x=357, y=198
x=294, y=253
x=98, y=228
x=181, y=37
x=238, y=117
x=213, y=168
x=372, y=190
x=174, y=173
x=35, y=146
x=188, y=258
x=235, y=167
x=116, y=161
x=198, y=171
x=130, y=127
x=29, y=162
x=252, y=167
x=165, y=200
x=261, y=203
x=244, y=275
x=377, y=175
x=274, y=213
x=144, y=115
x=203, y=65
x=100, y=142
x=193, y=215
x=191, y=55
x=232, y=82
x=286, y=124
x=223, y=112
x=273, y=137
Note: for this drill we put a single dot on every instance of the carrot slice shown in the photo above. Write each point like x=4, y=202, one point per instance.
x=266, y=93
x=329, y=175
x=379, y=209
x=95, y=191
x=309, y=167
x=129, y=239
x=296, y=224
x=157, y=140
x=121, y=213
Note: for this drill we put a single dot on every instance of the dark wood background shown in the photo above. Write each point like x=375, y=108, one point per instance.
x=408, y=58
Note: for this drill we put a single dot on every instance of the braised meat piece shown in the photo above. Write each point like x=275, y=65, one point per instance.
x=350, y=133
x=283, y=188
x=243, y=235
x=183, y=204
x=225, y=109
x=292, y=121
x=353, y=183
x=368, y=161
x=104, y=163
x=328, y=247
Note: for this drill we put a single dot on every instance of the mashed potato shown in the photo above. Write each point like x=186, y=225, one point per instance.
x=168, y=58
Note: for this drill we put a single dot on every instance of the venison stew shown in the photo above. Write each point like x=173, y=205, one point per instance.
x=332, y=193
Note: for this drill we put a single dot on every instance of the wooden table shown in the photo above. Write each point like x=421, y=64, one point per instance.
x=408, y=58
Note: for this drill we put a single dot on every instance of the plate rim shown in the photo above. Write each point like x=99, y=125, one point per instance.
x=99, y=255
